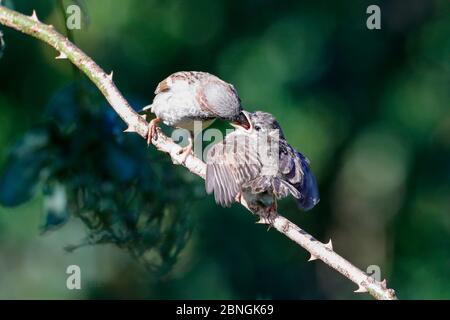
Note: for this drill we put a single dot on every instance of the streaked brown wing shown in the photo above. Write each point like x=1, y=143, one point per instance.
x=162, y=86
x=286, y=161
x=230, y=164
x=291, y=168
x=280, y=183
x=226, y=102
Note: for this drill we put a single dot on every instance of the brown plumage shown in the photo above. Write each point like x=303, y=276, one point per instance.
x=188, y=96
x=260, y=165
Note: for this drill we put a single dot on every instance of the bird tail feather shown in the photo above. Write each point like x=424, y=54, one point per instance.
x=307, y=195
x=258, y=185
x=309, y=192
x=279, y=187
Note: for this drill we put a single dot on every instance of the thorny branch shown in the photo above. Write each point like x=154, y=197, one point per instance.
x=32, y=26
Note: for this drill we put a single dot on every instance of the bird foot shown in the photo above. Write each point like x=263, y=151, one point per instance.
x=270, y=214
x=152, y=132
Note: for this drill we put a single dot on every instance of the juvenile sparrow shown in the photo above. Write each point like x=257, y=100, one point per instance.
x=187, y=96
x=260, y=165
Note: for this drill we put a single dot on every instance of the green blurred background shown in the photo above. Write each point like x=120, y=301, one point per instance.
x=369, y=108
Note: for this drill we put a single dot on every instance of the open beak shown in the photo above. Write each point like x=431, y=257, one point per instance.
x=242, y=121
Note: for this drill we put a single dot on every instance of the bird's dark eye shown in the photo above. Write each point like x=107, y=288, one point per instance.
x=257, y=128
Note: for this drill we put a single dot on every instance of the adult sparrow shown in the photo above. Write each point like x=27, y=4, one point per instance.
x=187, y=96
x=257, y=163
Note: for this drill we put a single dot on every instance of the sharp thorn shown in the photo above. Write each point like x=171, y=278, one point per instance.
x=61, y=55
x=110, y=76
x=129, y=129
x=34, y=16
x=261, y=221
x=329, y=245
x=312, y=258
x=360, y=289
x=384, y=284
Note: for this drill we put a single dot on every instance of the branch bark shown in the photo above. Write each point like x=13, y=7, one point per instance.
x=67, y=50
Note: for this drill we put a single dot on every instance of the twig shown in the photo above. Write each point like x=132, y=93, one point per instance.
x=67, y=50
x=69, y=33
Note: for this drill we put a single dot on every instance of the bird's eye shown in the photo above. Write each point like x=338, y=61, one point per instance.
x=257, y=128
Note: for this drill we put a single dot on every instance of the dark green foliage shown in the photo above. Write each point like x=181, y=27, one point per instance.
x=19, y=180
x=125, y=193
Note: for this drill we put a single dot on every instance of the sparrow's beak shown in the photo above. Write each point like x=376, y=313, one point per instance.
x=242, y=121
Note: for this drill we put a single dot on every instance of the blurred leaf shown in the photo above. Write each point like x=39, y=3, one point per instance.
x=21, y=174
x=92, y=171
x=55, y=207
x=187, y=21
x=120, y=164
x=19, y=179
x=64, y=107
